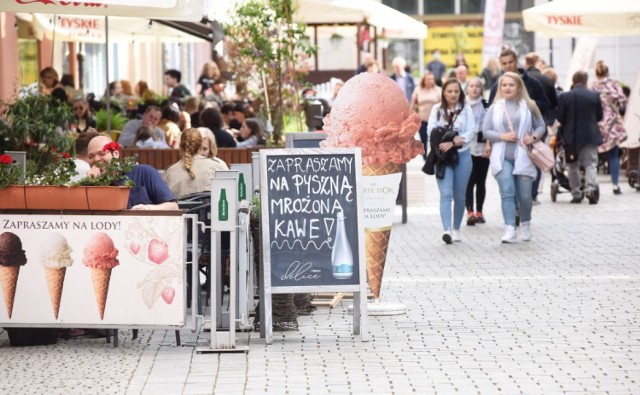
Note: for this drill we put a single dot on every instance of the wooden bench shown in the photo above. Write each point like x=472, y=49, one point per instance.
x=161, y=159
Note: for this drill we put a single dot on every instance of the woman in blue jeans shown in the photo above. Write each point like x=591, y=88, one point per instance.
x=512, y=122
x=452, y=111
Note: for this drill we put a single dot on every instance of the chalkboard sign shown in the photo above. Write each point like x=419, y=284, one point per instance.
x=311, y=219
x=304, y=139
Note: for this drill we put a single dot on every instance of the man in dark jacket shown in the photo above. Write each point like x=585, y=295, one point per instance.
x=509, y=62
x=579, y=112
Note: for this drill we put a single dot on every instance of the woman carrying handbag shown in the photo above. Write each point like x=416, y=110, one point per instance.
x=511, y=123
x=452, y=113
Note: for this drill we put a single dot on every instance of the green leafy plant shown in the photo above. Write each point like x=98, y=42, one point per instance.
x=255, y=207
x=114, y=172
x=9, y=172
x=268, y=54
x=117, y=120
x=38, y=125
x=58, y=172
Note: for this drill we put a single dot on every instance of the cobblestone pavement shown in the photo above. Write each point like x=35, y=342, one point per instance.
x=559, y=314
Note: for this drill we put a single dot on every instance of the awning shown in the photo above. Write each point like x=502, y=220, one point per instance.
x=202, y=30
x=184, y=10
x=91, y=29
x=572, y=18
x=395, y=23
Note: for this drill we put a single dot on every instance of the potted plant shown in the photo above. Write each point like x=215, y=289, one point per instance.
x=38, y=125
x=11, y=194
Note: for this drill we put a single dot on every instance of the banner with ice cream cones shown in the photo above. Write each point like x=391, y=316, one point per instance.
x=86, y=270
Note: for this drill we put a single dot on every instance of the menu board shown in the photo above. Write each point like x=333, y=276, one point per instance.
x=311, y=206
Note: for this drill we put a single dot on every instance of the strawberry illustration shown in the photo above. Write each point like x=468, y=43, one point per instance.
x=158, y=251
x=167, y=294
x=134, y=247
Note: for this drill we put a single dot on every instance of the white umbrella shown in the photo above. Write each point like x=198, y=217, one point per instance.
x=395, y=23
x=572, y=18
x=184, y=10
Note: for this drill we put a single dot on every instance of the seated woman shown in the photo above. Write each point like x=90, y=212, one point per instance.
x=193, y=172
x=169, y=123
x=144, y=139
x=252, y=134
x=83, y=117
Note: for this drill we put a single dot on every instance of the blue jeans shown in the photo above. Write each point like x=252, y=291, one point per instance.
x=512, y=186
x=614, y=164
x=453, y=187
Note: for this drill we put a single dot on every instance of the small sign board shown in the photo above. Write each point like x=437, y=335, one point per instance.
x=312, y=232
x=304, y=139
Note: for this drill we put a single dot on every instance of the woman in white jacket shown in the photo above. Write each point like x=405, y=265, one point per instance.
x=512, y=122
x=452, y=110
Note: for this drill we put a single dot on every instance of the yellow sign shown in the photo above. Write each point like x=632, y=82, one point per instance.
x=453, y=42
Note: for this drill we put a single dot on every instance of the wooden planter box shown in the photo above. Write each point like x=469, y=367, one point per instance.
x=12, y=197
x=47, y=197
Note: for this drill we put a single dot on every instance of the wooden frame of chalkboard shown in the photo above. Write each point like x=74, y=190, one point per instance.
x=311, y=217
x=304, y=139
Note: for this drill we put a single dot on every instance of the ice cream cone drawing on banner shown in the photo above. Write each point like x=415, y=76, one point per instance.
x=12, y=257
x=371, y=112
x=154, y=245
x=55, y=256
x=101, y=256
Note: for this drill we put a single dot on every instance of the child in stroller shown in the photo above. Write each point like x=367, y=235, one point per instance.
x=560, y=174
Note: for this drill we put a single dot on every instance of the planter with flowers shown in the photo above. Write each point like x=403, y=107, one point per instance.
x=53, y=189
x=11, y=195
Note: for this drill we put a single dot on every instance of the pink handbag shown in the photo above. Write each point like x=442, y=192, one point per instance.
x=541, y=155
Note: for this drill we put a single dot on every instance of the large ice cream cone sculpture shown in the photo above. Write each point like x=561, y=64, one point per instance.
x=55, y=255
x=377, y=239
x=12, y=256
x=101, y=256
x=371, y=112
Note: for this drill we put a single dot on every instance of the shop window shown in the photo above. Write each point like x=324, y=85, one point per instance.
x=471, y=6
x=28, y=55
x=409, y=7
x=439, y=7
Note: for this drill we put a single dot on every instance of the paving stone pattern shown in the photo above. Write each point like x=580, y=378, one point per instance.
x=557, y=315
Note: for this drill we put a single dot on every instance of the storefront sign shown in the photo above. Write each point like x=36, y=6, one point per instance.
x=91, y=270
x=456, y=41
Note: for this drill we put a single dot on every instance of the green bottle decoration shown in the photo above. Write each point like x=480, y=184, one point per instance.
x=223, y=206
x=242, y=188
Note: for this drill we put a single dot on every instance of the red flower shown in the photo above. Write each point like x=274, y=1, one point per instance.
x=66, y=155
x=6, y=159
x=111, y=147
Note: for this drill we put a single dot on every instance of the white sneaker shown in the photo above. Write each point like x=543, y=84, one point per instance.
x=509, y=235
x=525, y=231
x=446, y=237
x=455, y=235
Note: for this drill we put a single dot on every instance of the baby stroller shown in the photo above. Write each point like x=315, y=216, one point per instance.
x=560, y=175
x=633, y=167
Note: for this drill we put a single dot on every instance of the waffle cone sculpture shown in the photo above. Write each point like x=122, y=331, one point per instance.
x=377, y=240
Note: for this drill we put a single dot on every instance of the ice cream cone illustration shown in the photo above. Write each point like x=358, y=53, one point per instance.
x=100, y=279
x=55, y=281
x=55, y=255
x=101, y=256
x=372, y=113
x=12, y=256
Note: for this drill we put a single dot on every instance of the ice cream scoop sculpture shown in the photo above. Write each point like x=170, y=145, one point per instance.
x=371, y=112
x=55, y=255
x=101, y=256
x=12, y=256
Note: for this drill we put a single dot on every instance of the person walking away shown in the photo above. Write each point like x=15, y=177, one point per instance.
x=508, y=124
x=579, y=112
x=424, y=97
x=611, y=128
x=453, y=111
x=479, y=154
x=437, y=67
x=402, y=78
